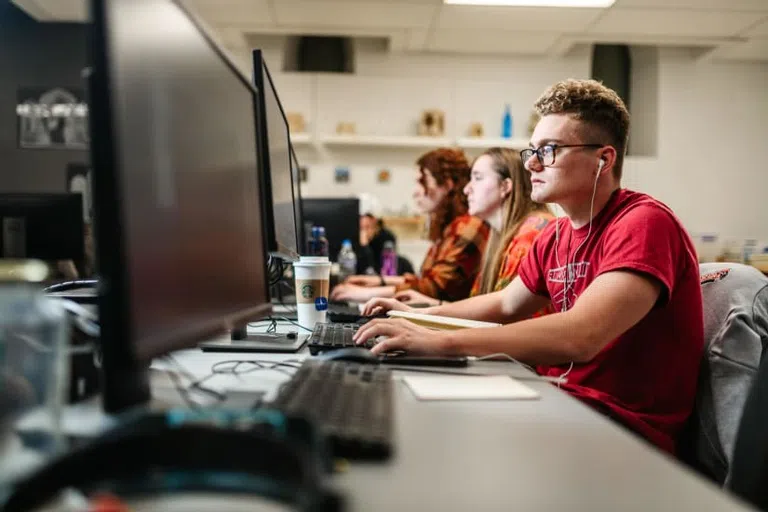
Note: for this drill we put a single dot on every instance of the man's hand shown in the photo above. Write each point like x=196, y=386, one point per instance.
x=416, y=297
x=403, y=335
x=380, y=305
x=360, y=280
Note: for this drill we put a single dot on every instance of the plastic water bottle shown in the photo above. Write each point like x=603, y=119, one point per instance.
x=506, y=128
x=388, y=260
x=318, y=243
x=347, y=259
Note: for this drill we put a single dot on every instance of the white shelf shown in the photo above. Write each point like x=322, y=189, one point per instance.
x=485, y=143
x=301, y=139
x=391, y=141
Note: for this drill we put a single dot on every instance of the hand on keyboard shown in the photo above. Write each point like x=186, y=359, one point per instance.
x=401, y=335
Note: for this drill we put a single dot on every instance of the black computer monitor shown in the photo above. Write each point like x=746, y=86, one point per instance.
x=42, y=226
x=301, y=233
x=276, y=172
x=180, y=243
x=339, y=217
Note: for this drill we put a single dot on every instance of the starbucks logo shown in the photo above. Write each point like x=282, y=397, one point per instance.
x=307, y=291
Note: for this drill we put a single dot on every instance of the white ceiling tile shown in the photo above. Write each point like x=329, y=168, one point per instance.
x=356, y=14
x=491, y=42
x=673, y=22
x=752, y=50
x=758, y=30
x=722, y=5
x=515, y=18
x=225, y=12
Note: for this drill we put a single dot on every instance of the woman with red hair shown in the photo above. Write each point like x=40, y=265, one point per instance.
x=458, y=239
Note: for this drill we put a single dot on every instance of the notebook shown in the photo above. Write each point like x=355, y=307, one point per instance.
x=468, y=387
x=441, y=322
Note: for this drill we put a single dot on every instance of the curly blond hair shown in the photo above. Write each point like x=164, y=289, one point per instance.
x=597, y=106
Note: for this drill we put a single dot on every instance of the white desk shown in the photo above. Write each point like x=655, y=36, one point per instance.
x=543, y=455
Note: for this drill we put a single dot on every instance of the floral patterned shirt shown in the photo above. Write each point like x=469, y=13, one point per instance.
x=453, y=262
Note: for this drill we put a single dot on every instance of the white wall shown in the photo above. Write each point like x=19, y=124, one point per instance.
x=710, y=127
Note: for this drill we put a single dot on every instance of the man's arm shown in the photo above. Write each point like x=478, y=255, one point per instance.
x=511, y=304
x=612, y=304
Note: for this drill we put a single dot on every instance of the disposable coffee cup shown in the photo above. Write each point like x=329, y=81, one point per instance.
x=313, y=275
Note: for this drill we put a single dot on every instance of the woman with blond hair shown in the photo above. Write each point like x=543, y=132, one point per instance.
x=458, y=239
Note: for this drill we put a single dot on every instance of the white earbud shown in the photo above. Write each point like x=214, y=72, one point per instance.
x=600, y=165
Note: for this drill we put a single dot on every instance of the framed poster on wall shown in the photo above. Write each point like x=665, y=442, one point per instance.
x=52, y=118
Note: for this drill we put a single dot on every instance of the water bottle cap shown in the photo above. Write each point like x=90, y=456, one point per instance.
x=346, y=242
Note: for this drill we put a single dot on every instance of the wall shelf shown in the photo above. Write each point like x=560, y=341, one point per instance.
x=404, y=141
x=390, y=141
x=485, y=143
x=301, y=139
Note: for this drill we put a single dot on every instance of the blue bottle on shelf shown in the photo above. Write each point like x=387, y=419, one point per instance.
x=506, y=126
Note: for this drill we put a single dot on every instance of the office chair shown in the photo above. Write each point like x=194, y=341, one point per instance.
x=735, y=332
x=749, y=467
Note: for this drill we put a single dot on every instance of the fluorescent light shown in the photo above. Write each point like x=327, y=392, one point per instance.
x=535, y=3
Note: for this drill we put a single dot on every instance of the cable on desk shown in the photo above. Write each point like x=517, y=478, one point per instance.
x=284, y=319
x=232, y=366
x=505, y=356
x=193, y=385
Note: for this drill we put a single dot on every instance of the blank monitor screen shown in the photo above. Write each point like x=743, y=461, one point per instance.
x=277, y=162
x=42, y=226
x=175, y=170
x=339, y=217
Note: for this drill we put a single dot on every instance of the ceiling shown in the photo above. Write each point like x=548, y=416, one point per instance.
x=721, y=29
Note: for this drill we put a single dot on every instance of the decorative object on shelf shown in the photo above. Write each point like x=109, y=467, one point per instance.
x=384, y=176
x=296, y=122
x=52, y=118
x=532, y=122
x=303, y=174
x=475, y=130
x=341, y=175
x=346, y=128
x=432, y=123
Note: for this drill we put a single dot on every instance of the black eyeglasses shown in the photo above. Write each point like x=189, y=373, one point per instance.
x=546, y=153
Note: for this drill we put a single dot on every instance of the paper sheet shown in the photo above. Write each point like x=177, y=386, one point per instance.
x=469, y=387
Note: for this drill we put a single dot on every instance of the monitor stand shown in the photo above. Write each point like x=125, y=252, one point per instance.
x=284, y=342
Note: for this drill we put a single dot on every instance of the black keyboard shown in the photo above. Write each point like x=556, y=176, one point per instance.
x=352, y=403
x=332, y=336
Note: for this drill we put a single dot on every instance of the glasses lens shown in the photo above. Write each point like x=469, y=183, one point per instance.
x=526, y=154
x=547, y=154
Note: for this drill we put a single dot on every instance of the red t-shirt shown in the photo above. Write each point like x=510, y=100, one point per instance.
x=645, y=378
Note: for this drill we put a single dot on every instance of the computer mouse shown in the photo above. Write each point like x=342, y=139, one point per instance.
x=350, y=354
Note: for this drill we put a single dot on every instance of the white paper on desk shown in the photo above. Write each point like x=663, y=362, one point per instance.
x=468, y=387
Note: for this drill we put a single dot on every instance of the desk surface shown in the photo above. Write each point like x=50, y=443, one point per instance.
x=542, y=455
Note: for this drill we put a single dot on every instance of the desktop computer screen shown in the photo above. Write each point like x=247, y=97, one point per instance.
x=339, y=217
x=180, y=243
x=42, y=226
x=276, y=172
x=301, y=234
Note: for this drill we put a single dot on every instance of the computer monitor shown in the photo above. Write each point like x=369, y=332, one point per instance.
x=276, y=172
x=301, y=233
x=339, y=217
x=42, y=226
x=180, y=243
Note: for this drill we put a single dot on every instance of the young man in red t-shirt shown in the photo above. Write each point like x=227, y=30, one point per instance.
x=619, y=270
